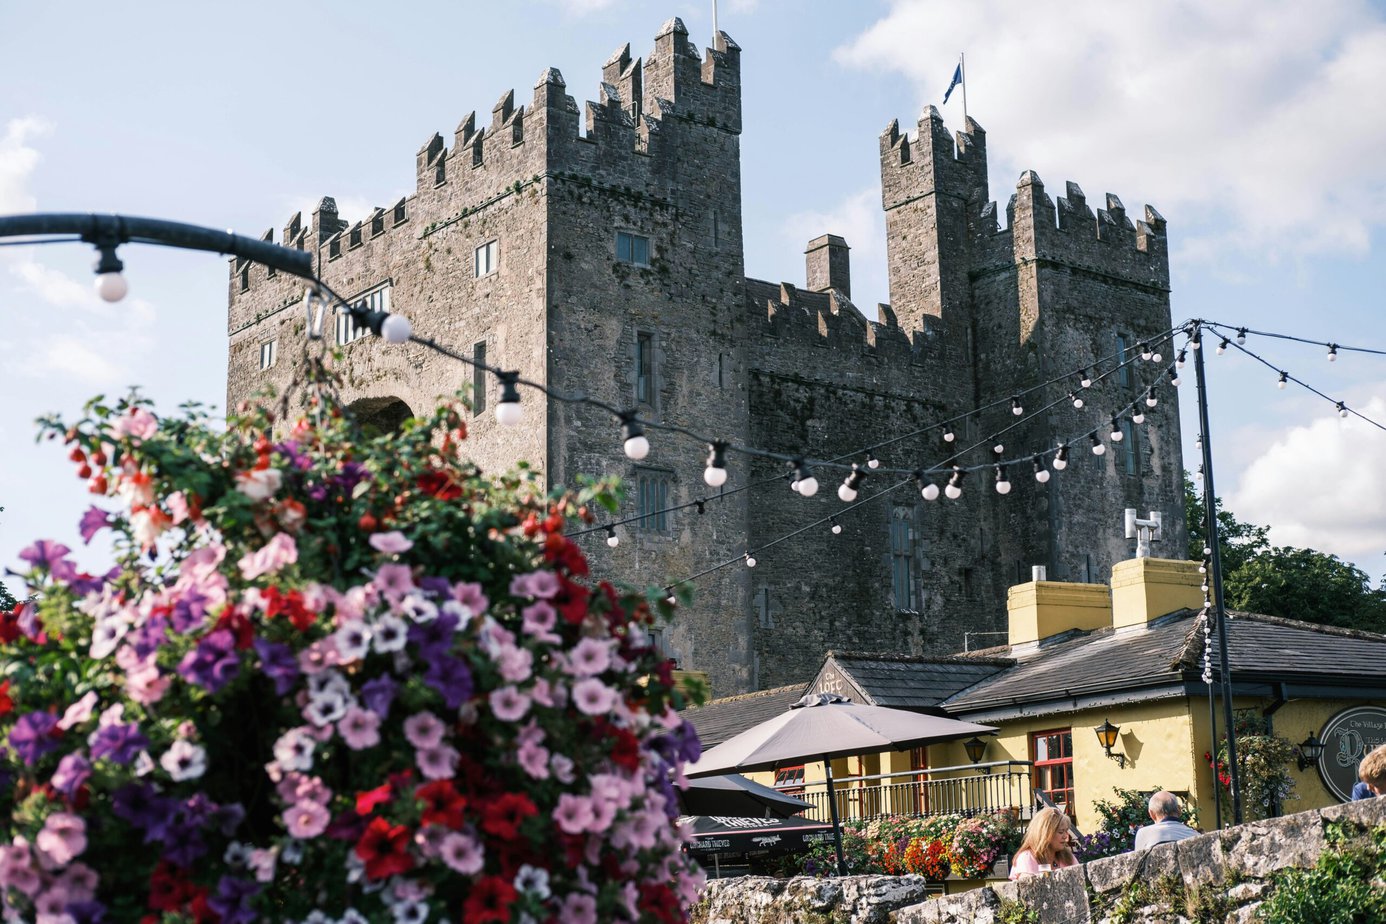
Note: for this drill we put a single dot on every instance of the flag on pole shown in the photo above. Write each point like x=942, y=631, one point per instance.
x=957, y=79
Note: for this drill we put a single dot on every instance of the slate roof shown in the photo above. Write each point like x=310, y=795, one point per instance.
x=720, y=719
x=1168, y=656
x=906, y=682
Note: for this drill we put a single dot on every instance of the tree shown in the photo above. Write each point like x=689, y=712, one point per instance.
x=1309, y=585
x=1238, y=542
x=7, y=600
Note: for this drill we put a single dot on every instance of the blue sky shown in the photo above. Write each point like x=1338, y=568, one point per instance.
x=1248, y=125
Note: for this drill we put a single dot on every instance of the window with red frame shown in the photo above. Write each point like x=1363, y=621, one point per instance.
x=1052, y=753
x=790, y=776
x=919, y=760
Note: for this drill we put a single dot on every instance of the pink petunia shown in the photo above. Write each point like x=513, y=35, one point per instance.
x=78, y=712
x=508, y=704
x=542, y=585
x=589, y=658
x=359, y=728
x=573, y=814
x=516, y=664
x=394, y=580
x=306, y=819
x=437, y=763
x=592, y=697
x=424, y=730
x=391, y=543
x=275, y=554
x=578, y=908
x=462, y=853
x=471, y=596
x=539, y=620
x=534, y=760
x=63, y=838
x=137, y=423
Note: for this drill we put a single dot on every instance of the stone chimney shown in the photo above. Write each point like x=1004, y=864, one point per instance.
x=1042, y=609
x=1144, y=589
x=828, y=264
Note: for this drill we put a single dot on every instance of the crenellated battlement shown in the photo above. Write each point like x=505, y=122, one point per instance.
x=932, y=161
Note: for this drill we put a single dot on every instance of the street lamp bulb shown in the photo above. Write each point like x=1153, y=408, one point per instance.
x=837, y=529
x=808, y=486
x=715, y=476
x=396, y=329
x=845, y=493
x=111, y=286
x=930, y=491
x=637, y=447
x=613, y=540
x=953, y=492
x=509, y=413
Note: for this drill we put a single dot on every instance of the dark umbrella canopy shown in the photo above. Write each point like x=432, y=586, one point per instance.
x=712, y=834
x=734, y=795
x=822, y=726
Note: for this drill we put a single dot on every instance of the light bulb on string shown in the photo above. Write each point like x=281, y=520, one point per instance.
x=612, y=539
x=1137, y=416
x=1016, y=408
x=847, y=491
x=927, y=489
x=1041, y=473
x=1084, y=380
x=636, y=445
x=837, y=527
x=1117, y=435
x=1098, y=449
x=669, y=596
x=716, y=472
x=1241, y=336
x=396, y=329
x=110, y=281
x=1198, y=447
x=804, y=482
x=1284, y=378
x=1156, y=357
x=1077, y=401
x=1207, y=551
x=1146, y=351
x=1342, y=410
x=750, y=560
x=998, y=448
x=1179, y=359
x=1333, y=352
x=509, y=413
x=1003, y=485
x=954, y=488
x=1174, y=378
x=872, y=461
x=1222, y=347
x=1150, y=399
x=1196, y=342
x=1061, y=458
x=949, y=435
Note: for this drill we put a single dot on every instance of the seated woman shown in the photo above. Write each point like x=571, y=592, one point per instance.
x=1047, y=845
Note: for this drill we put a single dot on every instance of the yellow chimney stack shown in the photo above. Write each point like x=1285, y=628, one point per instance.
x=1148, y=588
x=1041, y=609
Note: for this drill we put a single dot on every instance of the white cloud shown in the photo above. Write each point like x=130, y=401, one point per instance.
x=17, y=162
x=858, y=219
x=1320, y=486
x=1253, y=112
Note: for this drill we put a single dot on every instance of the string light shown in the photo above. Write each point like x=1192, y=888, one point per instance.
x=1197, y=340
x=872, y=461
x=612, y=539
x=1150, y=399
x=1333, y=352
x=636, y=445
x=998, y=448
x=1098, y=449
x=1016, y=407
x=847, y=491
x=1137, y=416
x=804, y=482
x=1061, y=458
x=508, y=410
x=837, y=527
x=1284, y=377
x=716, y=472
x=1342, y=409
x=1174, y=378
x=1241, y=336
x=1146, y=352
x=953, y=490
x=1077, y=401
x=1084, y=380
x=1222, y=347
x=750, y=560
x=1117, y=435
x=1041, y=473
x=927, y=489
x=1003, y=485
x=670, y=599
x=1179, y=359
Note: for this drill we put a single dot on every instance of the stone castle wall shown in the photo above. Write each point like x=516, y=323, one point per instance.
x=977, y=311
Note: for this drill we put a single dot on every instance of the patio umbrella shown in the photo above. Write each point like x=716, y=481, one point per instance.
x=734, y=795
x=710, y=834
x=822, y=726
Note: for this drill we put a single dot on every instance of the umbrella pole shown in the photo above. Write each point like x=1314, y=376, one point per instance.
x=832, y=808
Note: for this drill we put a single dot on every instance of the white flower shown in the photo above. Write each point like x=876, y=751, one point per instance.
x=328, y=681
x=326, y=708
x=106, y=634
x=144, y=764
x=260, y=484
x=353, y=640
x=294, y=751
x=352, y=916
x=419, y=608
x=534, y=880
x=410, y=912
x=237, y=854
x=389, y=634
x=184, y=760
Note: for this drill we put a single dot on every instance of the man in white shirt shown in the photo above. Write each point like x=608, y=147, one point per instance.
x=1167, y=828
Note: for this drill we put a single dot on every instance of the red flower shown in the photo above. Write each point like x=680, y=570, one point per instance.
x=660, y=902
x=235, y=619
x=385, y=849
x=368, y=800
x=503, y=817
x=6, y=704
x=625, y=750
x=442, y=804
x=9, y=624
x=169, y=889
x=290, y=604
x=490, y=901
x=439, y=485
x=572, y=601
x=566, y=555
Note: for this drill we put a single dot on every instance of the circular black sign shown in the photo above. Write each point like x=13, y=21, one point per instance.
x=1347, y=738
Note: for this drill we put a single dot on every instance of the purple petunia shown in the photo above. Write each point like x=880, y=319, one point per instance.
x=88, y=912
x=435, y=636
x=147, y=638
x=451, y=678
x=289, y=450
x=278, y=664
x=213, y=664
x=232, y=900
x=93, y=521
x=189, y=610
x=378, y=694
x=34, y=735
x=120, y=742
x=73, y=771
x=436, y=587
x=141, y=805
x=50, y=556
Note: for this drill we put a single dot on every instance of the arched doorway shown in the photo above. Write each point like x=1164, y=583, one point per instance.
x=378, y=416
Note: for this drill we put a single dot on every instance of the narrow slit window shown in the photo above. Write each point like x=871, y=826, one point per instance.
x=644, y=367
x=479, y=377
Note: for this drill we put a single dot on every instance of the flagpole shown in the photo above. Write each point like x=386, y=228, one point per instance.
x=714, y=26
x=962, y=65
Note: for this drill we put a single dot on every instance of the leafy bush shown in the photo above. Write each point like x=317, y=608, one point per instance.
x=1264, y=763
x=979, y=841
x=330, y=678
x=1346, y=885
x=1120, y=820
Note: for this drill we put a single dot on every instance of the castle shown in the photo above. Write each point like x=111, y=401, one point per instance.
x=609, y=261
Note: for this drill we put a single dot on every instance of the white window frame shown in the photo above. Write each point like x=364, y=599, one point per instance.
x=269, y=353
x=376, y=298
x=486, y=259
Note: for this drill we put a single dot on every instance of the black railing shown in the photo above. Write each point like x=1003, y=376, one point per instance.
x=972, y=789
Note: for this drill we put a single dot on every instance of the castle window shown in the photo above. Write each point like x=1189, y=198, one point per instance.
x=902, y=558
x=334, y=248
x=245, y=278
x=632, y=248
x=269, y=352
x=355, y=240
x=377, y=223
x=1130, y=454
x=644, y=367
x=969, y=583
x=400, y=215
x=487, y=258
x=716, y=230
x=440, y=172
x=478, y=377
x=1123, y=349
x=376, y=299
x=652, y=501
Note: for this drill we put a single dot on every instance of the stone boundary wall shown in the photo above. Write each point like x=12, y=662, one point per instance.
x=1228, y=870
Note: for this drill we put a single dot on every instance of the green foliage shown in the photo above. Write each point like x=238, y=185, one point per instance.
x=1292, y=583
x=1264, y=763
x=7, y=600
x=1119, y=821
x=1016, y=913
x=1344, y=887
